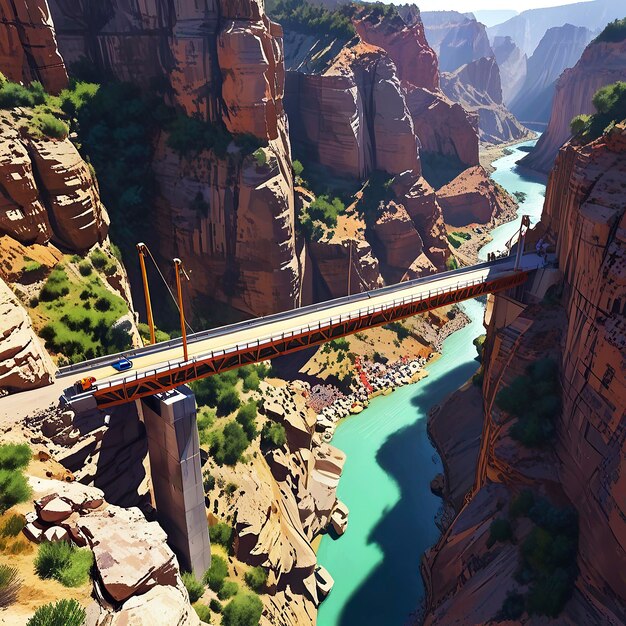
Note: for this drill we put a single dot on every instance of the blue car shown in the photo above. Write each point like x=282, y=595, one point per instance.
x=122, y=365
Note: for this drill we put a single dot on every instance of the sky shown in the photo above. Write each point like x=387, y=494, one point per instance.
x=479, y=5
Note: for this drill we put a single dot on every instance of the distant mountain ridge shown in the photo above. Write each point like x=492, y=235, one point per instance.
x=528, y=28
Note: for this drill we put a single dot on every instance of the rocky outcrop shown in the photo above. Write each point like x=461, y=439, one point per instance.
x=48, y=192
x=512, y=63
x=601, y=64
x=353, y=118
x=472, y=197
x=444, y=127
x=224, y=63
x=456, y=38
x=477, y=87
x=559, y=49
x=405, y=43
x=28, y=47
x=24, y=364
x=468, y=576
x=136, y=570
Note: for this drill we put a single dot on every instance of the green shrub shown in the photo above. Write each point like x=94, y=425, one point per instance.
x=512, y=607
x=251, y=382
x=61, y=613
x=13, y=489
x=298, y=168
x=103, y=303
x=452, y=264
x=244, y=609
x=214, y=577
x=228, y=446
x=56, y=286
x=260, y=157
x=99, y=259
x=63, y=562
x=521, y=504
x=216, y=606
x=13, y=526
x=227, y=401
x=610, y=105
x=194, y=587
x=222, y=534
x=500, y=530
x=14, y=456
x=15, y=95
x=256, y=578
x=49, y=125
x=10, y=585
x=203, y=613
x=273, y=436
x=339, y=344
x=534, y=400
x=85, y=268
x=401, y=331
x=31, y=267
x=247, y=418
x=228, y=590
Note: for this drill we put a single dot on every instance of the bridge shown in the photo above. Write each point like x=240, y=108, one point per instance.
x=162, y=367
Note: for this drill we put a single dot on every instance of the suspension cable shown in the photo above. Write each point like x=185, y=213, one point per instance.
x=174, y=300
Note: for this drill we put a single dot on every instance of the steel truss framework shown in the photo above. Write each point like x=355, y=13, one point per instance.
x=157, y=382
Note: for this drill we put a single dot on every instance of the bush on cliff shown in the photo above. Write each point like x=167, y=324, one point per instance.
x=613, y=33
x=273, y=436
x=500, y=530
x=222, y=534
x=610, y=105
x=256, y=578
x=244, y=609
x=227, y=446
x=534, y=400
x=15, y=95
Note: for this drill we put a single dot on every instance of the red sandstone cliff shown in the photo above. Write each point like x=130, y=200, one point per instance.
x=468, y=578
x=28, y=49
x=601, y=64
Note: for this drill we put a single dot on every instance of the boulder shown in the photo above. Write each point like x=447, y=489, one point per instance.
x=56, y=533
x=54, y=510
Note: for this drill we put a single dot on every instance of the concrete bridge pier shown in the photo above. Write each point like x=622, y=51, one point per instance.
x=174, y=452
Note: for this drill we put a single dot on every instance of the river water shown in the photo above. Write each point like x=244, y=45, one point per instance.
x=390, y=463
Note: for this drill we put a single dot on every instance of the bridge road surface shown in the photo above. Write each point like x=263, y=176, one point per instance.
x=169, y=355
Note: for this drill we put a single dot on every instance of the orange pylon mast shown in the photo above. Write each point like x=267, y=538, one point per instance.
x=143, y=249
x=178, y=267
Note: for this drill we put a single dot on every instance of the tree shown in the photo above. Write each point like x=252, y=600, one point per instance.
x=273, y=436
x=255, y=578
x=214, y=577
x=244, y=609
x=227, y=401
x=247, y=418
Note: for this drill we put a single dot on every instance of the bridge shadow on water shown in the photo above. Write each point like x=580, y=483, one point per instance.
x=395, y=589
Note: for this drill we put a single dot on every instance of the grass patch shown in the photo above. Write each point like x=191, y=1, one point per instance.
x=79, y=315
x=13, y=526
x=64, y=562
x=13, y=484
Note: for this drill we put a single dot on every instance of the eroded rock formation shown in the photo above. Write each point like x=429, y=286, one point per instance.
x=513, y=67
x=601, y=64
x=24, y=364
x=477, y=87
x=559, y=49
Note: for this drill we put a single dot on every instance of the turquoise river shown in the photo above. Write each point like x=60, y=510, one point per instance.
x=390, y=463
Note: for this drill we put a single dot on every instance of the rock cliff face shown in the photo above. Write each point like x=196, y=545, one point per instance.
x=559, y=49
x=601, y=64
x=47, y=191
x=28, y=49
x=470, y=198
x=24, y=364
x=513, y=67
x=456, y=38
x=468, y=577
x=223, y=62
x=477, y=87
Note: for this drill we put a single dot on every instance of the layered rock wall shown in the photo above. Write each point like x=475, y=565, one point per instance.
x=28, y=47
x=601, y=64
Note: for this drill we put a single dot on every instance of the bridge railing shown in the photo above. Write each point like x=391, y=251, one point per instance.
x=290, y=333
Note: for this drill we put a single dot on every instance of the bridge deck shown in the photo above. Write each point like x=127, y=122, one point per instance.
x=161, y=367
